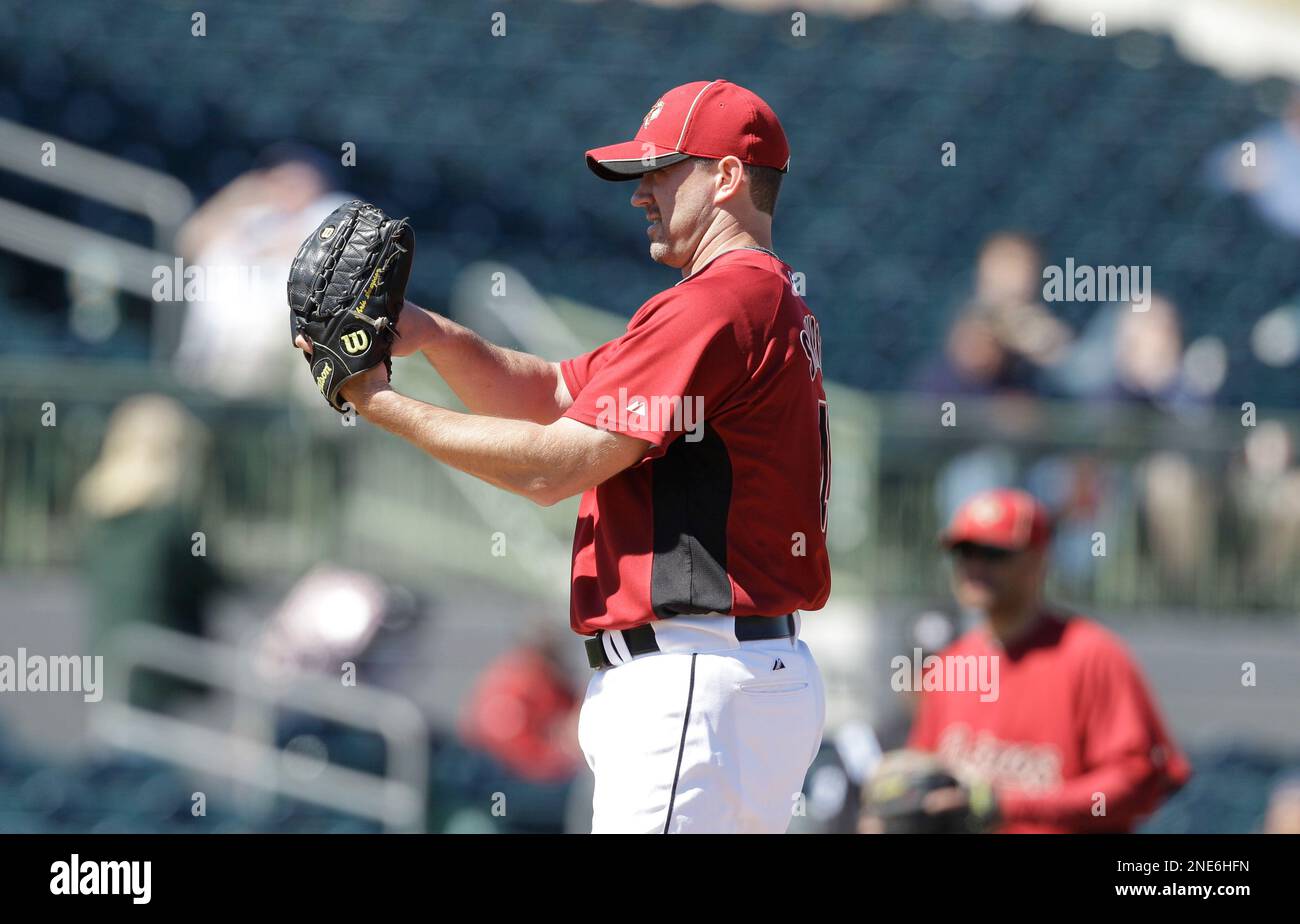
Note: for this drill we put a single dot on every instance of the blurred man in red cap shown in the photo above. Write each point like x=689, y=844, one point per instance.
x=1067, y=739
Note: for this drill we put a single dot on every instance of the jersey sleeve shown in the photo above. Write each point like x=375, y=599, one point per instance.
x=1130, y=761
x=664, y=377
x=578, y=371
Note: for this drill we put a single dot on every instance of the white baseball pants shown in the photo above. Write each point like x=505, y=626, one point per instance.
x=709, y=735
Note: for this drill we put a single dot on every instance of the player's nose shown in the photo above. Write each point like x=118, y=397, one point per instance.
x=641, y=195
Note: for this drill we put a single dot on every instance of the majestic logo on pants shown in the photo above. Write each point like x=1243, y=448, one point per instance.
x=355, y=342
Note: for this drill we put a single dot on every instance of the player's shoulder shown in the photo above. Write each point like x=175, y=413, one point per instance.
x=745, y=277
x=742, y=301
x=972, y=641
x=1088, y=638
x=750, y=291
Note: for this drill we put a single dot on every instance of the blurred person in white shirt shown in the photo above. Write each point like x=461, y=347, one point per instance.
x=243, y=240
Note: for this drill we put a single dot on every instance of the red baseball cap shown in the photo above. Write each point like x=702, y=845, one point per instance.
x=1002, y=518
x=708, y=118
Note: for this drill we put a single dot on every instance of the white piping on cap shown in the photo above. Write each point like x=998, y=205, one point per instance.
x=687, y=121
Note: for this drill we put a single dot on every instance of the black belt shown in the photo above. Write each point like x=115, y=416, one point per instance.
x=641, y=639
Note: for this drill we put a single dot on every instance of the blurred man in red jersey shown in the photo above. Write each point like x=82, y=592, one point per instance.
x=1061, y=730
x=523, y=712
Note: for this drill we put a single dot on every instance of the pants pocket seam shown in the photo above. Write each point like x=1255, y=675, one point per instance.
x=774, y=689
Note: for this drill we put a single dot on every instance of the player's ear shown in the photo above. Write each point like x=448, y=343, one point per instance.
x=729, y=175
x=1037, y=561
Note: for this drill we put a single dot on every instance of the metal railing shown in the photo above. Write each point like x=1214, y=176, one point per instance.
x=84, y=253
x=1154, y=510
x=245, y=751
x=287, y=486
x=283, y=487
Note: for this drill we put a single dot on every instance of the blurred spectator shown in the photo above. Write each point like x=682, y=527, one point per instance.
x=1178, y=511
x=1265, y=483
x=1272, y=181
x=1004, y=334
x=330, y=616
x=235, y=339
x=1148, y=350
x=1283, y=814
x=1059, y=713
x=1275, y=337
x=1079, y=489
x=139, y=552
x=1001, y=343
x=523, y=712
x=1176, y=505
x=1132, y=357
x=1139, y=356
x=997, y=9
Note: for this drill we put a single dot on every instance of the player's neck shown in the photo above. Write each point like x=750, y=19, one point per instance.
x=733, y=238
x=1010, y=625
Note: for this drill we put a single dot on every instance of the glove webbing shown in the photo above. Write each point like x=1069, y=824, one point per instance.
x=382, y=323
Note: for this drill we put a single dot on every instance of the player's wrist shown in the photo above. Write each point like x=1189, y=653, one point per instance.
x=417, y=330
x=363, y=392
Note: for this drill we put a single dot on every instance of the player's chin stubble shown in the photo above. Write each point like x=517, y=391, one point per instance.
x=661, y=249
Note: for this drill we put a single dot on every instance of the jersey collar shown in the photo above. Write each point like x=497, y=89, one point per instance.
x=711, y=260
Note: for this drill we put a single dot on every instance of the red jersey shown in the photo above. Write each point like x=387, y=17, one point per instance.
x=726, y=512
x=1072, y=718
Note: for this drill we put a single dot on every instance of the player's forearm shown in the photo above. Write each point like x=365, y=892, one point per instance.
x=515, y=455
x=489, y=379
x=1131, y=788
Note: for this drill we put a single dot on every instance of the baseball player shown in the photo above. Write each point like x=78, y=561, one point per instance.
x=699, y=442
x=1068, y=739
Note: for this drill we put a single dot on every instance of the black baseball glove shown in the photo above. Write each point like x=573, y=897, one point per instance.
x=346, y=289
x=895, y=799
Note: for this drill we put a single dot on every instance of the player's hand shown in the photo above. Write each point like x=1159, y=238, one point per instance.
x=975, y=801
x=948, y=799
x=360, y=389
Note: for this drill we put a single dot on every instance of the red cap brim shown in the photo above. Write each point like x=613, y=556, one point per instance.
x=628, y=160
x=950, y=538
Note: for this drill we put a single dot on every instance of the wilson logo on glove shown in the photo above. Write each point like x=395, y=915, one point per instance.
x=355, y=342
x=324, y=377
x=352, y=268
